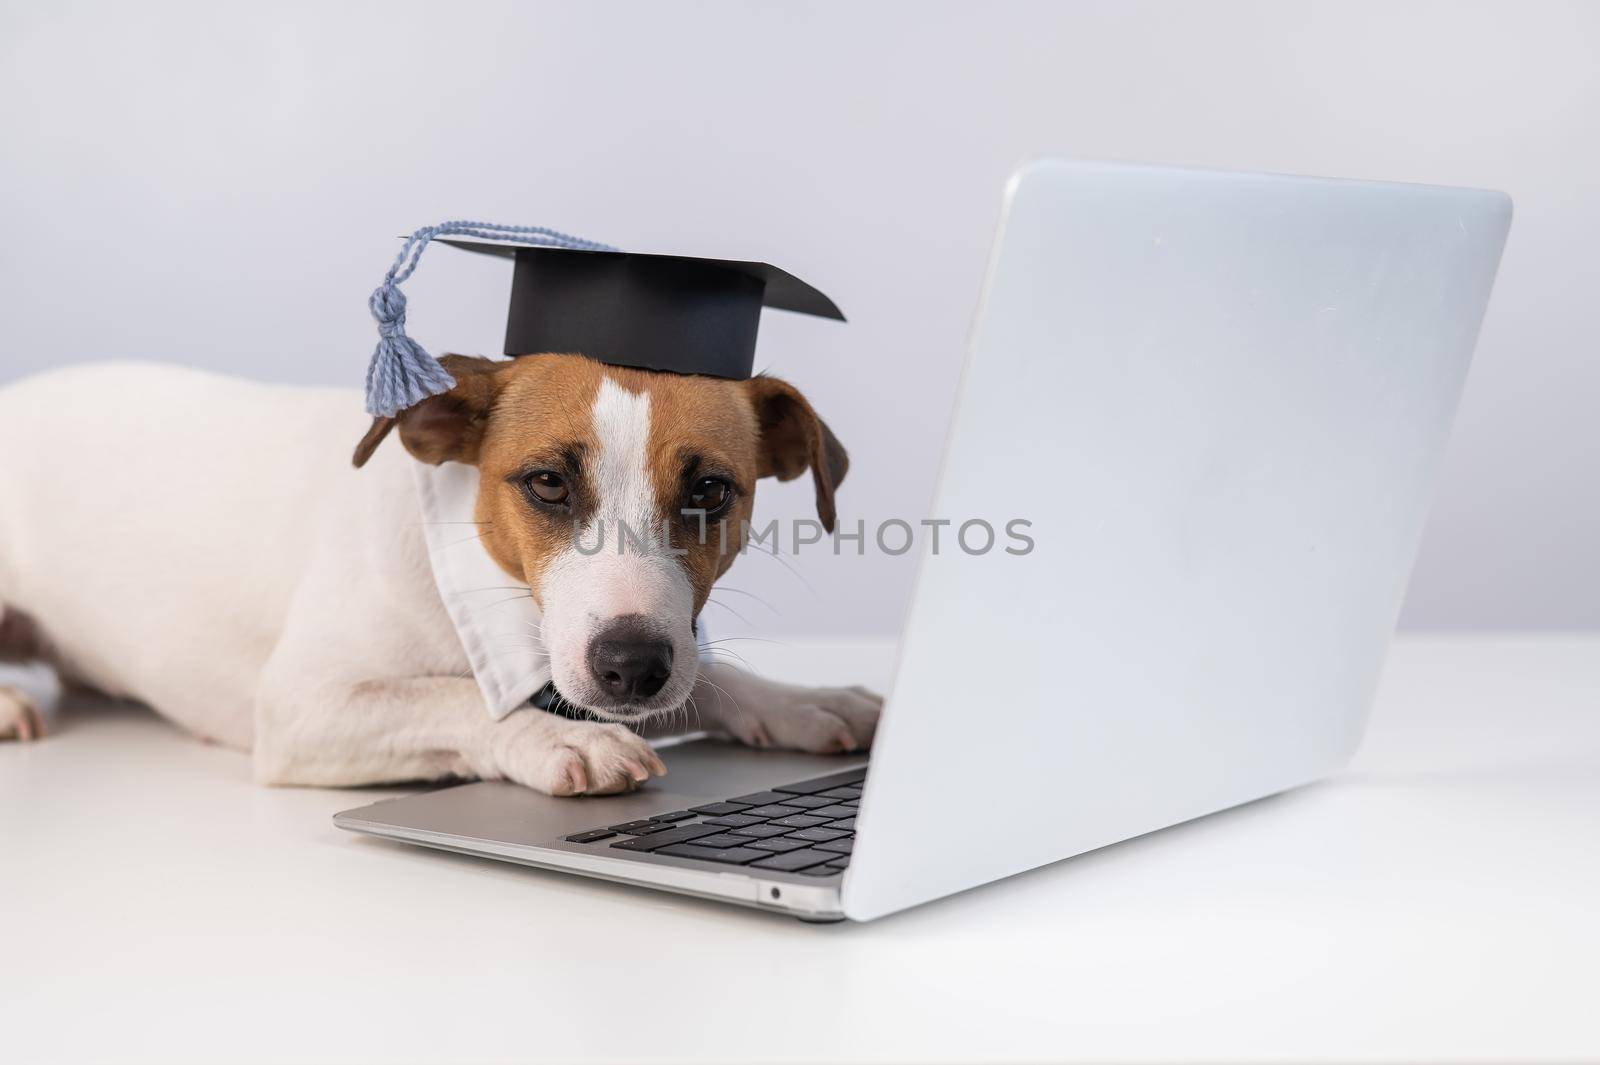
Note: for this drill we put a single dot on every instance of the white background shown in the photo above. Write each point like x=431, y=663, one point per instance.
x=220, y=185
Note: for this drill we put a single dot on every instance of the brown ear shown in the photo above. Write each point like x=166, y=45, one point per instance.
x=794, y=439
x=447, y=427
x=369, y=443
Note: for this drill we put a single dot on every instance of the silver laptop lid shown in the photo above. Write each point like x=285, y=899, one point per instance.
x=1220, y=400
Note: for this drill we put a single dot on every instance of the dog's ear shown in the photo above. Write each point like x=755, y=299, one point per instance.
x=447, y=427
x=794, y=439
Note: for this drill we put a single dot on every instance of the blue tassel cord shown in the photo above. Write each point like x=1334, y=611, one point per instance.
x=402, y=373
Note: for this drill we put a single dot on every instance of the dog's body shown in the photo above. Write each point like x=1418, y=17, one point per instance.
x=199, y=544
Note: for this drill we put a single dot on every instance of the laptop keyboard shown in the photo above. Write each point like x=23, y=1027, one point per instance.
x=805, y=828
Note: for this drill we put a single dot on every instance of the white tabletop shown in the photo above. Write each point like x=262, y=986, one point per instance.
x=1438, y=900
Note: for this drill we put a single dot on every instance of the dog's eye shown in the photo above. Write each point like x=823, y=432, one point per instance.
x=710, y=494
x=548, y=486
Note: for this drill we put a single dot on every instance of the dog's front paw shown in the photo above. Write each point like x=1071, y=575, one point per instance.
x=819, y=720
x=19, y=718
x=561, y=757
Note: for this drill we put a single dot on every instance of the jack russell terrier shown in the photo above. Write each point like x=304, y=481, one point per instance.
x=195, y=542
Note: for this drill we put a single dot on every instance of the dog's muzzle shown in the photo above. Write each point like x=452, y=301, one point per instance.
x=630, y=661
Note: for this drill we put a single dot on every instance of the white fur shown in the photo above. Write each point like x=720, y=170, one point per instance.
x=765, y=713
x=203, y=544
x=629, y=573
x=621, y=422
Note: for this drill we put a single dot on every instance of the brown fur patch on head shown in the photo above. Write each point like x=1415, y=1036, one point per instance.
x=542, y=420
x=513, y=417
x=700, y=427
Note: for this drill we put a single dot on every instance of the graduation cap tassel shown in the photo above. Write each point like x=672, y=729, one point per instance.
x=402, y=373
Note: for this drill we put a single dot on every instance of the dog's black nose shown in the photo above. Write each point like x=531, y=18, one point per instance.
x=629, y=663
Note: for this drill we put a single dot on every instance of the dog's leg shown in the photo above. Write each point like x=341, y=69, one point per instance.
x=28, y=692
x=764, y=713
x=21, y=716
x=431, y=728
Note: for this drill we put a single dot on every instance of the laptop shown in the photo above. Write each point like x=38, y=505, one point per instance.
x=1219, y=401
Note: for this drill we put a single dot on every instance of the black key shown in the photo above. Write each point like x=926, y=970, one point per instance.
x=761, y=831
x=733, y=856
x=591, y=837
x=851, y=802
x=759, y=798
x=800, y=821
x=842, y=793
x=676, y=815
x=834, y=810
x=734, y=820
x=819, y=835
x=807, y=802
x=717, y=809
x=737, y=855
x=629, y=826
x=846, y=825
x=723, y=839
x=772, y=811
x=821, y=784
x=657, y=840
x=837, y=867
x=820, y=870
x=837, y=846
x=690, y=850
x=808, y=787
x=778, y=846
x=792, y=862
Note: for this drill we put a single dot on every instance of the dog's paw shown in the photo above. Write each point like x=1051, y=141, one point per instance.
x=561, y=757
x=19, y=718
x=819, y=720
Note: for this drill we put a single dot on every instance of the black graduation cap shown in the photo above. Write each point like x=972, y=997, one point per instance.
x=654, y=312
x=670, y=313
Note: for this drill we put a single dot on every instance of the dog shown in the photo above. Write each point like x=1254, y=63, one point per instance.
x=197, y=543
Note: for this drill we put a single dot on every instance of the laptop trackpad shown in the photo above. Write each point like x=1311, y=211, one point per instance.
x=714, y=769
x=700, y=771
